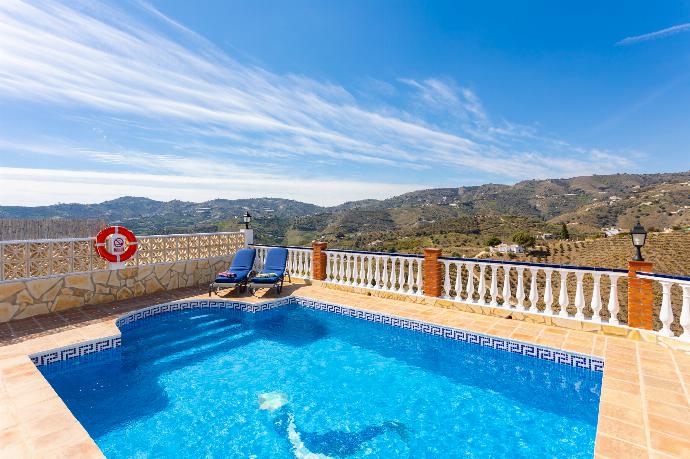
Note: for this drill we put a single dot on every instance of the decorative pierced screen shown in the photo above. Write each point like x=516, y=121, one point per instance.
x=25, y=259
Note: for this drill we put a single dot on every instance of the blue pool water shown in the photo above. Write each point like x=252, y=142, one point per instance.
x=190, y=384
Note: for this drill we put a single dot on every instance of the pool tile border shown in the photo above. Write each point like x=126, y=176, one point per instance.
x=75, y=350
x=558, y=356
x=516, y=347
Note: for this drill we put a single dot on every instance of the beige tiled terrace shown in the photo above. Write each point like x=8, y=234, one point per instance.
x=645, y=400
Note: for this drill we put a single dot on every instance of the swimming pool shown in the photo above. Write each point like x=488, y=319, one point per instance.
x=297, y=382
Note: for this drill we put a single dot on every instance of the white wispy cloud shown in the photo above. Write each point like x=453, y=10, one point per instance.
x=655, y=35
x=139, y=77
x=48, y=186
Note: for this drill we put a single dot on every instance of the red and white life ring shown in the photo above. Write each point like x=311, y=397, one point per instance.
x=123, y=244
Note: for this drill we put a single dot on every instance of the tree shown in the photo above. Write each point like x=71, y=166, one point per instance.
x=492, y=242
x=564, y=231
x=524, y=239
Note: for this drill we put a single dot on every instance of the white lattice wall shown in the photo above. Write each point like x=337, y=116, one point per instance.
x=40, y=258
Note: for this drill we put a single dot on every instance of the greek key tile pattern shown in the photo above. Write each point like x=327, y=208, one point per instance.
x=75, y=350
x=516, y=347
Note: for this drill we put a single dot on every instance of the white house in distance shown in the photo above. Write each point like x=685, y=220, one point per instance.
x=608, y=232
x=507, y=248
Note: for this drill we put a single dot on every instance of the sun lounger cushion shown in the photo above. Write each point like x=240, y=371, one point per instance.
x=241, y=266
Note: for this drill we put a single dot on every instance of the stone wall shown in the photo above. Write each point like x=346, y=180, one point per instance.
x=30, y=297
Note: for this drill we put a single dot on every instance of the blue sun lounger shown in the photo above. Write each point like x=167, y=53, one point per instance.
x=273, y=272
x=241, y=267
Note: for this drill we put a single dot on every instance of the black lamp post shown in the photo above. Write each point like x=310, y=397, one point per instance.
x=639, y=236
x=246, y=218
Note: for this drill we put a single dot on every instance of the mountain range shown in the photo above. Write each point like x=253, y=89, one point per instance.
x=586, y=204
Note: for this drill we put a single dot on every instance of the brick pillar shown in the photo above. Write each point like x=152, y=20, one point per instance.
x=432, y=272
x=318, y=265
x=640, y=296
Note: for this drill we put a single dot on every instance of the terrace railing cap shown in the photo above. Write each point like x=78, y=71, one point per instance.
x=682, y=279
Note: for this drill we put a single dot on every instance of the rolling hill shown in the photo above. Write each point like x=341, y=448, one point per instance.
x=459, y=219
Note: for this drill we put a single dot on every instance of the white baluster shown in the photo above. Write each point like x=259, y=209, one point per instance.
x=410, y=276
x=394, y=279
x=355, y=269
x=370, y=275
x=520, y=289
x=579, y=296
x=533, y=294
x=341, y=268
x=458, y=281
x=384, y=286
x=377, y=272
x=595, y=304
x=469, y=288
x=446, y=279
x=420, y=277
x=482, y=284
x=563, y=298
x=301, y=263
x=548, y=292
x=362, y=271
x=506, y=287
x=329, y=267
x=401, y=276
x=494, y=285
x=666, y=313
x=685, y=313
x=613, y=305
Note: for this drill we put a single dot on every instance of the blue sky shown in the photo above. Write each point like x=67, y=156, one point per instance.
x=332, y=101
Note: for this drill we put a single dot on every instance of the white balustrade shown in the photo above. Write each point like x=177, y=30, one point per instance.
x=536, y=276
x=393, y=273
x=404, y=275
x=299, y=261
x=667, y=314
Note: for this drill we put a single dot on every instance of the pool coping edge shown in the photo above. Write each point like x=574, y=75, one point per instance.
x=558, y=356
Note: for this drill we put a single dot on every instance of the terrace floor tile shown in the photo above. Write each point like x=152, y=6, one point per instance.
x=644, y=405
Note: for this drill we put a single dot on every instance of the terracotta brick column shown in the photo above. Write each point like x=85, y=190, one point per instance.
x=318, y=265
x=432, y=272
x=640, y=296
